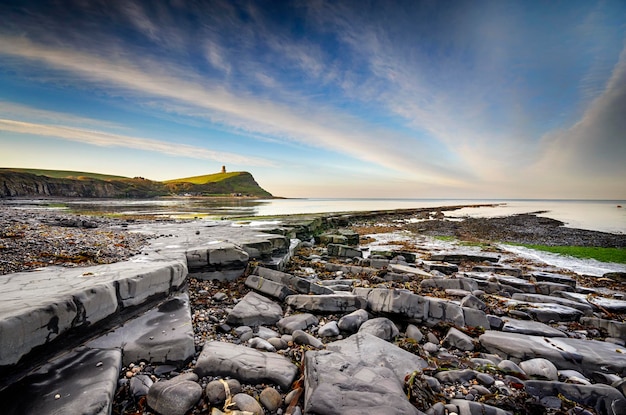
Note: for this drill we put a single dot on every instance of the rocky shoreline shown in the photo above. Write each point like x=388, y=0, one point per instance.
x=372, y=318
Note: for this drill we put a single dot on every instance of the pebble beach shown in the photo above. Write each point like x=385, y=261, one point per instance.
x=462, y=363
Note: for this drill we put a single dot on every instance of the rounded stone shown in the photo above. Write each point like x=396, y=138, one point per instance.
x=174, y=397
x=140, y=385
x=216, y=393
x=485, y=379
x=412, y=332
x=540, y=367
x=248, y=403
x=329, y=330
x=270, y=399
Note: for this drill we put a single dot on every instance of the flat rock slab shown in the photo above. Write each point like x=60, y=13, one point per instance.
x=610, y=304
x=326, y=303
x=377, y=352
x=457, y=258
x=162, y=335
x=551, y=277
x=605, y=399
x=411, y=306
x=362, y=374
x=534, y=328
x=38, y=306
x=585, y=356
x=81, y=382
x=293, y=283
x=245, y=364
x=406, y=269
x=545, y=312
x=614, y=328
x=548, y=299
x=269, y=287
x=255, y=310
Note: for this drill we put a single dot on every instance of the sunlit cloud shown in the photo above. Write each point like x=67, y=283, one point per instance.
x=317, y=127
x=103, y=139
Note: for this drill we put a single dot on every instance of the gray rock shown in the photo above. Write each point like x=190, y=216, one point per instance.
x=278, y=343
x=175, y=396
x=343, y=251
x=255, y=310
x=380, y=327
x=431, y=347
x=465, y=407
x=163, y=334
x=296, y=322
x=300, y=337
x=545, y=312
x=471, y=301
x=329, y=329
x=374, y=351
x=270, y=399
x=604, y=399
x=585, y=356
x=359, y=375
x=586, y=309
x=485, y=379
x=297, y=284
x=573, y=376
x=351, y=322
x=466, y=284
x=614, y=328
x=458, y=339
x=326, y=303
x=265, y=333
x=535, y=328
x=475, y=318
x=248, y=404
x=412, y=332
x=495, y=322
x=540, y=276
x=85, y=379
x=269, y=287
x=515, y=272
x=401, y=302
x=407, y=269
x=38, y=307
x=140, y=385
x=458, y=257
x=456, y=376
x=246, y=364
x=443, y=267
x=510, y=367
x=261, y=344
x=540, y=367
x=222, y=261
x=442, y=310
x=599, y=302
x=216, y=391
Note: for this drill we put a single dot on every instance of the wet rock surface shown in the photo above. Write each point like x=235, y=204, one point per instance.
x=402, y=333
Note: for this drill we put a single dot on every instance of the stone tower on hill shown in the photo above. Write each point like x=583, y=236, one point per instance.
x=223, y=169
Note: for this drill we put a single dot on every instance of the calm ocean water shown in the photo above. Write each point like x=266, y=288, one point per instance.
x=602, y=215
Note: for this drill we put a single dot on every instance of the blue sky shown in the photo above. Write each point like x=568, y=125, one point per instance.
x=456, y=99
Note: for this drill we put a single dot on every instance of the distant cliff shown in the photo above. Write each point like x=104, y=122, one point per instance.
x=46, y=183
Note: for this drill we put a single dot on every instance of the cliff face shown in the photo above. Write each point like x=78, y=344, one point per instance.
x=18, y=184
x=15, y=183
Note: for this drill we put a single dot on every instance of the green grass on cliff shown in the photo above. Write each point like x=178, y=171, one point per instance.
x=65, y=174
x=207, y=178
x=617, y=255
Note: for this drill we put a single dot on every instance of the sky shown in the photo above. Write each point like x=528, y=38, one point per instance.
x=381, y=99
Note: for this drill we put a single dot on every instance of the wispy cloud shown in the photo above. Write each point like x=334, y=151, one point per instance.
x=104, y=139
x=306, y=124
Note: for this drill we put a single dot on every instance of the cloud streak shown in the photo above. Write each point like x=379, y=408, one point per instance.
x=104, y=139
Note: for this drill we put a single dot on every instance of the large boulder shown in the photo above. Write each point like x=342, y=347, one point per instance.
x=255, y=310
x=585, y=356
x=245, y=364
x=362, y=374
x=326, y=303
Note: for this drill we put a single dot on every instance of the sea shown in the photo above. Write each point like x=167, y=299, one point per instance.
x=600, y=215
